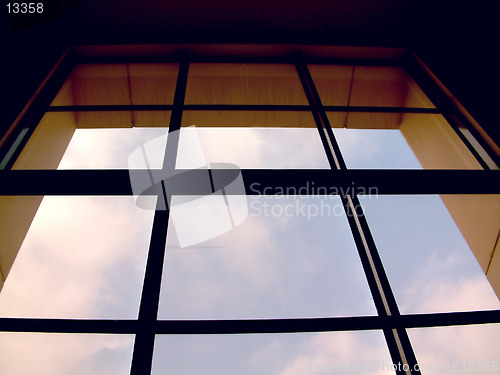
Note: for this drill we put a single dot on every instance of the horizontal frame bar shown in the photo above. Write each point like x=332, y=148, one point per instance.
x=249, y=326
x=239, y=107
x=257, y=181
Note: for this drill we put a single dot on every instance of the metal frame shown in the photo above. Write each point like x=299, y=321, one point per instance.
x=385, y=302
x=116, y=182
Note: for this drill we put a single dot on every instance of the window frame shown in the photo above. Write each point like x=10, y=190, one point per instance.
x=116, y=182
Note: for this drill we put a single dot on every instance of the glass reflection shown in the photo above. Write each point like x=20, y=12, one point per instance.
x=284, y=354
x=292, y=256
x=62, y=354
x=429, y=263
x=83, y=257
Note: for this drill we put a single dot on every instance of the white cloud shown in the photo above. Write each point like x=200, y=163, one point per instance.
x=342, y=352
x=449, y=349
x=62, y=354
x=257, y=148
x=283, y=354
x=84, y=257
x=375, y=148
x=110, y=148
x=267, y=267
x=98, y=247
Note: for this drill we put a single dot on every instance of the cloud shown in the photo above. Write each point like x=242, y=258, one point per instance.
x=62, y=354
x=428, y=262
x=283, y=354
x=110, y=148
x=441, y=292
x=268, y=267
x=78, y=260
x=84, y=257
x=452, y=349
x=342, y=352
x=375, y=149
x=258, y=148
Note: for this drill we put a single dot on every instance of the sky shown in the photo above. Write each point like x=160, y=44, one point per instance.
x=84, y=257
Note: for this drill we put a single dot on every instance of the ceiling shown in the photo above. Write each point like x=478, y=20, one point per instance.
x=455, y=40
x=318, y=21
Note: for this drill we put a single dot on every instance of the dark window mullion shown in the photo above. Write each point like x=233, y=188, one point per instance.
x=144, y=341
x=111, y=108
x=170, y=158
x=451, y=118
x=237, y=107
x=147, y=324
x=243, y=326
x=35, y=111
x=377, y=109
x=449, y=111
x=397, y=339
x=330, y=146
x=373, y=269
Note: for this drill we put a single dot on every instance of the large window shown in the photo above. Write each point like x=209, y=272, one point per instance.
x=249, y=215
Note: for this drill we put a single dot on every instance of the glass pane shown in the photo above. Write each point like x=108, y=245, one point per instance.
x=251, y=148
x=261, y=257
x=344, y=85
x=479, y=149
x=457, y=350
x=375, y=149
x=428, y=261
x=399, y=140
x=13, y=148
x=62, y=354
x=282, y=119
x=291, y=354
x=62, y=141
x=119, y=84
x=114, y=148
x=83, y=257
x=244, y=84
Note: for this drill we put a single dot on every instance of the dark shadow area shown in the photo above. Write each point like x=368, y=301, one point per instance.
x=457, y=42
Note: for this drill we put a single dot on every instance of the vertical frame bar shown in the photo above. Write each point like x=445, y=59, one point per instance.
x=148, y=312
x=34, y=111
x=397, y=340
